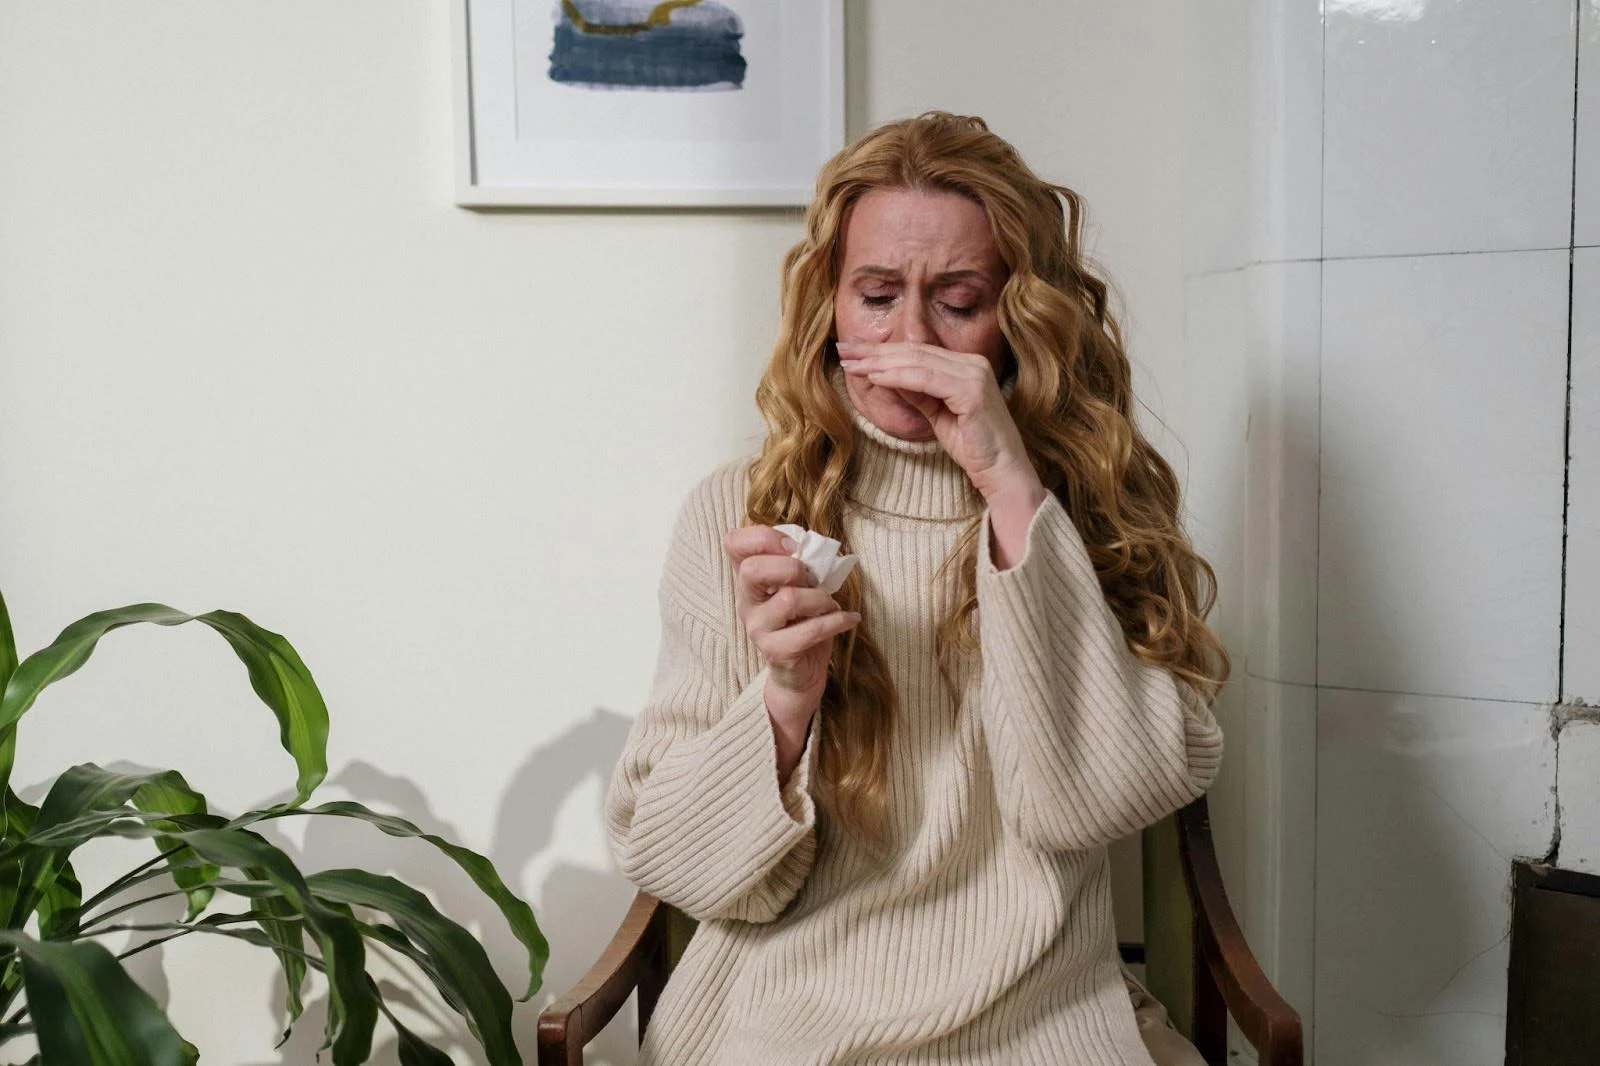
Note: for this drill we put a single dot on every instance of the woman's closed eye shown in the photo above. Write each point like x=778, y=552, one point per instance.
x=885, y=299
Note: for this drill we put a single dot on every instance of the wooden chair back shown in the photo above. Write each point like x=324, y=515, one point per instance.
x=1197, y=962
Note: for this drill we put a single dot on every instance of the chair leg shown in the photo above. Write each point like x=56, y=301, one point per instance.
x=1210, y=1010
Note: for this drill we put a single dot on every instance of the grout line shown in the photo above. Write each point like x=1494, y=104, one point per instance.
x=1242, y=267
x=1310, y=1033
x=1322, y=687
x=1440, y=255
x=1252, y=264
x=1376, y=257
x=1553, y=857
x=1566, y=414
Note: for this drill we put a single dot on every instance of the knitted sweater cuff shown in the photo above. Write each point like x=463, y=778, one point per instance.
x=713, y=832
x=1090, y=743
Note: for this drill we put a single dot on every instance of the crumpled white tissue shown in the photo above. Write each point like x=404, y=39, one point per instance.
x=821, y=557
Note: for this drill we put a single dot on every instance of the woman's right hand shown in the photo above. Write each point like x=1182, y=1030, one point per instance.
x=790, y=621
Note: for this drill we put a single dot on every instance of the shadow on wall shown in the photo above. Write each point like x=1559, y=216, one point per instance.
x=578, y=907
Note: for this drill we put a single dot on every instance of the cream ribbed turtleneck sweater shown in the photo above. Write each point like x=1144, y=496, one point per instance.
x=986, y=936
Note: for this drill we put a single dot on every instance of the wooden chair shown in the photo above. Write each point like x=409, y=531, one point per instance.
x=1196, y=959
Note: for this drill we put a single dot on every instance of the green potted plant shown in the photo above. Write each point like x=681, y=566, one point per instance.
x=60, y=984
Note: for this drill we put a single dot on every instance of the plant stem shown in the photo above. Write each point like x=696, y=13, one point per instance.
x=139, y=873
x=214, y=927
x=85, y=927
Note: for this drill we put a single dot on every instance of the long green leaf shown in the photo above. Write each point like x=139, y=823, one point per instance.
x=459, y=960
x=87, y=1009
x=8, y=758
x=59, y=905
x=276, y=671
x=288, y=944
x=70, y=650
x=284, y=683
x=352, y=1010
x=352, y=1013
x=415, y=1051
x=62, y=906
x=8, y=734
x=16, y=819
x=171, y=794
x=81, y=792
x=398, y=942
x=8, y=645
x=215, y=925
x=516, y=911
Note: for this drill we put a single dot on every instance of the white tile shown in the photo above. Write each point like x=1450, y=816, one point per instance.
x=1578, y=789
x=1210, y=459
x=1253, y=134
x=1276, y=908
x=1587, y=206
x=1286, y=131
x=1216, y=150
x=1443, y=391
x=1229, y=798
x=1422, y=806
x=1283, y=309
x=1448, y=126
x=1582, y=630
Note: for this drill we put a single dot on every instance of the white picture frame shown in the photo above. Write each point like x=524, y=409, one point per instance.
x=525, y=139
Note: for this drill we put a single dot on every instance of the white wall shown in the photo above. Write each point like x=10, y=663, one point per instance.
x=1385, y=198
x=251, y=357
x=1252, y=240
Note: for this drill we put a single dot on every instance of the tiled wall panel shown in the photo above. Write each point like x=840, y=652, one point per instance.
x=1587, y=205
x=1280, y=565
x=1449, y=126
x=1422, y=805
x=1443, y=390
x=1582, y=629
x=1579, y=789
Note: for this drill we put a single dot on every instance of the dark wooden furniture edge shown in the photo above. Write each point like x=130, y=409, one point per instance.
x=1233, y=982
x=635, y=958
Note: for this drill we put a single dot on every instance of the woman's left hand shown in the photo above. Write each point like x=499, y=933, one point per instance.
x=958, y=394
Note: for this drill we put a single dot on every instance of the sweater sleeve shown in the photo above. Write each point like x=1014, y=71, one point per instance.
x=694, y=811
x=1089, y=743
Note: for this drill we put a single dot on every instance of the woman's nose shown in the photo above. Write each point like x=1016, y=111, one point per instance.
x=913, y=325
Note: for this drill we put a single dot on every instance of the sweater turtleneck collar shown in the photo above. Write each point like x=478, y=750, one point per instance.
x=911, y=479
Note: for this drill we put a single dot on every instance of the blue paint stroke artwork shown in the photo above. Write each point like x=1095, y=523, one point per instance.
x=682, y=45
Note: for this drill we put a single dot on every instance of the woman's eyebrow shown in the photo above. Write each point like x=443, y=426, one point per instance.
x=959, y=275
x=943, y=278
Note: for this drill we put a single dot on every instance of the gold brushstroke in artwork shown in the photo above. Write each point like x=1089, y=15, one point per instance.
x=659, y=15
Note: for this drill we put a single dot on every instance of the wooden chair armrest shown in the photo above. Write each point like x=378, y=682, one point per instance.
x=1267, y=1021
x=574, y=1019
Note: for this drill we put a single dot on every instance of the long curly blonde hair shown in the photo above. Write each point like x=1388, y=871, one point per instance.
x=1072, y=402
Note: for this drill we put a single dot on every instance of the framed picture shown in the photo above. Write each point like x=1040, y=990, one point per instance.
x=636, y=103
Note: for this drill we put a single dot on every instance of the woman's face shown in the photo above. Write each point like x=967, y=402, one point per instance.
x=918, y=267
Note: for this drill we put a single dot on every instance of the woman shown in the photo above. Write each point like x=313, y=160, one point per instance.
x=889, y=807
